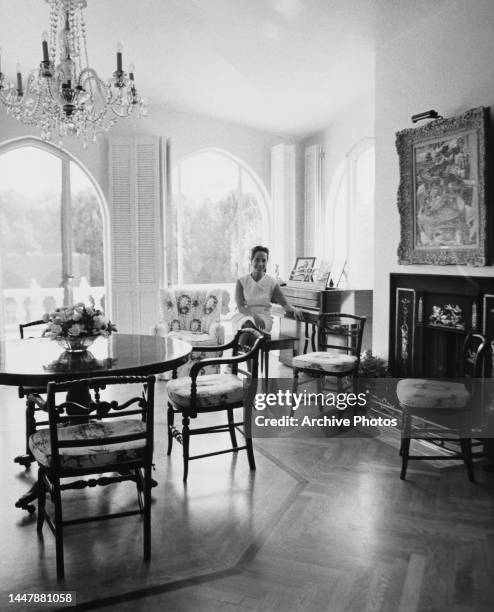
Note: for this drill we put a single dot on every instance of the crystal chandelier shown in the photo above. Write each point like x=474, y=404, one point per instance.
x=68, y=97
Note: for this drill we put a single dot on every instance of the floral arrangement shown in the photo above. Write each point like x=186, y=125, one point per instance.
x=448, y=316
x=77, y=321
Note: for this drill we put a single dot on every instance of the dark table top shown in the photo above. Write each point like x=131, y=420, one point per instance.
x=36, y=361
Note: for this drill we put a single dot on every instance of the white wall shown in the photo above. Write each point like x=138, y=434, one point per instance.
x=443, y=62
x=338, y=139
x=189, y=133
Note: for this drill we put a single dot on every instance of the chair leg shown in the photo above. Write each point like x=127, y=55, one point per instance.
x=28, y=458
x=250, y=453
x=147, y=513
x=57, y=500
x=41, y=501
x=185, y=445
x=466, y=451
x=170, y=419
x=231, y=428
x=294, y=388
x=405, y=445
x=320, y=390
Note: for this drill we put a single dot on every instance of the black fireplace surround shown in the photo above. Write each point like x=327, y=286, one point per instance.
x=430, y=315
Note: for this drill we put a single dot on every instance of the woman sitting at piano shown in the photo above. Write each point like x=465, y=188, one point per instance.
x=254, y=294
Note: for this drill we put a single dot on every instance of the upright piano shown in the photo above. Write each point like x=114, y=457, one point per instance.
x=314, y=301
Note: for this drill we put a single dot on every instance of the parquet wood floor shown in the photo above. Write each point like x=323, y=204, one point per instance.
x=323, y=524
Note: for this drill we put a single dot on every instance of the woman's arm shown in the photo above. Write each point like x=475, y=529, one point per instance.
x=279, y=298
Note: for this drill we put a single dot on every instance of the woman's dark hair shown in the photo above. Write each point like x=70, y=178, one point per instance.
x=255, y=249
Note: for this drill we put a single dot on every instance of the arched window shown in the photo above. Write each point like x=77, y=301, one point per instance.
x=221, y=212
x=51, y=233
x=350, y=217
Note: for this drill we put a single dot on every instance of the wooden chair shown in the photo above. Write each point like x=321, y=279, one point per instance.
x=440, y=407
x=89, y=436
x=194, y=395
x=339, y=342
x=31, y=406
x=22, y=327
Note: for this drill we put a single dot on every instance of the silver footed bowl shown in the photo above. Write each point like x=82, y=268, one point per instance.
x=77, y=344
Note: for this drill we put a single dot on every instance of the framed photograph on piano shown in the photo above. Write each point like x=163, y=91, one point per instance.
x=303, y=269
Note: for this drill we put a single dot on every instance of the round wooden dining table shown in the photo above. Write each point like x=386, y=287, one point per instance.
x=32, y=363
x=35, y=362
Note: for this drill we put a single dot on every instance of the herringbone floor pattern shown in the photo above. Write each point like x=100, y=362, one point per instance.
x=323, y=524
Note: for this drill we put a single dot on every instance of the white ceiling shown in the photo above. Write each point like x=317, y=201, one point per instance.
x=288, y=66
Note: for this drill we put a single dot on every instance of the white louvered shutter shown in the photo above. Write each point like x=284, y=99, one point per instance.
x=136, y=232
x=314, y=222
x=283, y=207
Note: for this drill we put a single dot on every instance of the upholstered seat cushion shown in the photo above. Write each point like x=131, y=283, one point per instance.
x=212, y=390
x=194, y=338
x=424, y=393
x=333, y=363
x=90, y=456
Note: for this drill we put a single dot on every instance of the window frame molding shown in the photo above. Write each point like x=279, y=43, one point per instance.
x=345, y=172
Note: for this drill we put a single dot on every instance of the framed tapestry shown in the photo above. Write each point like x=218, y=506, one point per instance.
x=442, y=198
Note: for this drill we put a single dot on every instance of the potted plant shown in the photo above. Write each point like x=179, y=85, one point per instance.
x=372, y=368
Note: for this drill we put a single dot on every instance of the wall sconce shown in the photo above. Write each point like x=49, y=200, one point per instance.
x=431, y=114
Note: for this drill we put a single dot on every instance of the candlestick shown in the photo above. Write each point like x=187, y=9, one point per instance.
x=119, y=57
x=19, y=78
x=44, y=45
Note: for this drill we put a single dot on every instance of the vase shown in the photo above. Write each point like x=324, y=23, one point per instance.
x=76, y=344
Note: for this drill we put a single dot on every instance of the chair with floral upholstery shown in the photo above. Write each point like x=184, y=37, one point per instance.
x=195, y=395
x=435, y=409
x=193, y=315
x=88, y=437
x=339, y=340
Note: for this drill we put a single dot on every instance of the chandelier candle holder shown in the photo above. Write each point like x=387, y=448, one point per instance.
x=66, y=97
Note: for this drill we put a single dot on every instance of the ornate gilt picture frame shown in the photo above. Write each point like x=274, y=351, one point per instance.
x=442, y=197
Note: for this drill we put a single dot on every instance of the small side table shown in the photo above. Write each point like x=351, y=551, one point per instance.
x=276, y=342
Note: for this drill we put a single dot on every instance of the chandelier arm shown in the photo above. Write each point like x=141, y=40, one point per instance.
x=65, y=96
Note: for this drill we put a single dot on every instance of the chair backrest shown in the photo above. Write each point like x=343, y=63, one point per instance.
x=22, y=326
x=474, y=353
x=191, y=309
x=337, y=330
x=79, y=405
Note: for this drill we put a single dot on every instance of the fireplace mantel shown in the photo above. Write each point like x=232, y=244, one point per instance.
x=430, y=315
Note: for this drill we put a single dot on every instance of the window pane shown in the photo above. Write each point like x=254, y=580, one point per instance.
x=87, y=238
x=220, y=219
x=30, y=234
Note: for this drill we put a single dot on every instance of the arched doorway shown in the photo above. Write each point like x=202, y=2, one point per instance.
x=52, y=233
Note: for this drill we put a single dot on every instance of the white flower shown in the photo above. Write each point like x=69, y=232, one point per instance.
x=55, y=330
x=75, y=330
x=99, y=322
x=77, y=316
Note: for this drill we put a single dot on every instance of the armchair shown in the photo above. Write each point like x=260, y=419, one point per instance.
x=193, y=315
